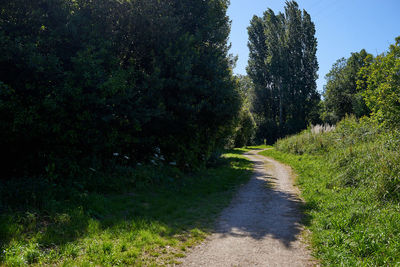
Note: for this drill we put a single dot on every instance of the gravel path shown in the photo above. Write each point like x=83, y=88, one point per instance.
x=261, y=227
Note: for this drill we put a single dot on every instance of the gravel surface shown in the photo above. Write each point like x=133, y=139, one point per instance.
x=262, y=225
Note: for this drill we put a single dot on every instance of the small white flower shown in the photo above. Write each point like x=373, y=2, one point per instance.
x=172, y=163
x=115, y=154
x=126, y=157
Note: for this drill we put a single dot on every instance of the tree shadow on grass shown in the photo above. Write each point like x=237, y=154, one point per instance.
x=178, y=207
x=174, y=210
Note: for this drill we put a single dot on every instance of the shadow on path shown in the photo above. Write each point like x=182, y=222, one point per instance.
x=265, y=207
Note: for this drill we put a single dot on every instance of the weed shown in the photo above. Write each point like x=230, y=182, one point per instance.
x=31, y=253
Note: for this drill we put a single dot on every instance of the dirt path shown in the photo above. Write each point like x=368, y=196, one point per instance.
x=261, y=227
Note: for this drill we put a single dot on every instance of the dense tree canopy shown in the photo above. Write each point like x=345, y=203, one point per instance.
x=82, y=81
x=341, y=94
x=283, y=67
x=381, y=83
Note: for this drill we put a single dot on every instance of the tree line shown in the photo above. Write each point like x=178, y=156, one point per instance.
x=282, y=73
x=283, y=67
x=365, y=86
x=85, y=84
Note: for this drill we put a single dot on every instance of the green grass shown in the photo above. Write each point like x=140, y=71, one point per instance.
x=149, y=227
x=344, y=177
x=259, y=147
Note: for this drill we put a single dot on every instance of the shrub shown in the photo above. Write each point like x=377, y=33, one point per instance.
x=246, y=129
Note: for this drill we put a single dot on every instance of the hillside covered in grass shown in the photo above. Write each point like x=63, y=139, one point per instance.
x=349, y=176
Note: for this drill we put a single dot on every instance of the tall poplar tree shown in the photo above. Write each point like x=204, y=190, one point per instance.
x=283, y=67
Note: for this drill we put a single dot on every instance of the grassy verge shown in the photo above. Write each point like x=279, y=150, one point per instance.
x=258, y=147
x=152, y=226
x=350, y=224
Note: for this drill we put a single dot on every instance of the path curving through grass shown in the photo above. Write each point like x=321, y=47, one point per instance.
x=262, y=225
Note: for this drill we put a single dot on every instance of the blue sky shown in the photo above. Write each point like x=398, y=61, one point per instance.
x=342, y=27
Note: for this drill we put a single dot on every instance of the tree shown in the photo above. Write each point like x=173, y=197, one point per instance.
x=283, y=68
x=82, y=80
x=341, y=95
x=381, y=81
x=200, y=96
x=245, y=126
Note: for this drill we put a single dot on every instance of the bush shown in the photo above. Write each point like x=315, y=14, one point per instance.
x=246, y=129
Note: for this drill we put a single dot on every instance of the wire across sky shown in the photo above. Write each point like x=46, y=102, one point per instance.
x=342, y=27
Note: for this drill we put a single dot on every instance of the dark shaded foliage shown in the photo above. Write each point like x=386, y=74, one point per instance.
x=245, y=129
x=87, y=84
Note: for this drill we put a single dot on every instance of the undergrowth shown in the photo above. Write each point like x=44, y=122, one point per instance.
x=153, y=224
x=350, y=180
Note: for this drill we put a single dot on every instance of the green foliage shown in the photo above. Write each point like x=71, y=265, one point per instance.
x=283, y=67
x=305, y=142
x=81, y=81
x=245, y=129
x=351, y=224
x=245, y=133
x=341, y=94
x=147, y=226
x=364, y=85
x=382, y=83
x=360, y=153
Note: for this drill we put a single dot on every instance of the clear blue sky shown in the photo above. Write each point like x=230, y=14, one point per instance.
x=343, y=26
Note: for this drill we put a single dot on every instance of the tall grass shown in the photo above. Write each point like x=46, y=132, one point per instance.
x=359, y=153
x=350, y=179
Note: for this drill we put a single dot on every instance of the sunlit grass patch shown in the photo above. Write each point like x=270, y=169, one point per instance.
x=350, y=224
x=148, y=226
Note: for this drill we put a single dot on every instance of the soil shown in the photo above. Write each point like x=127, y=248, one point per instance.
x=261, y=227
